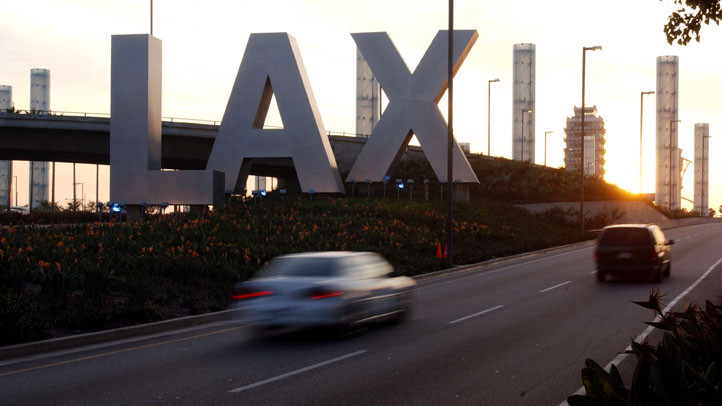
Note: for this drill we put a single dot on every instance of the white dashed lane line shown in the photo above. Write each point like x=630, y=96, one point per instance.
x=554, y=287
x=296, y=372
x=476, y=314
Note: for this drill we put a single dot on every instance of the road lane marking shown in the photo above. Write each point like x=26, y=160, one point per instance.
x=55, y=364
x=647, y=331
x=554, y=287
x=296, y=372
x=476, y=275
x=476, y=314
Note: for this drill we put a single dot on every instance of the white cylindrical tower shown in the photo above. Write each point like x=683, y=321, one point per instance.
x=368, y=97
x=701, y=168
x=667, y=191
x=6, y=98
x=40, y=90
x=6, y=172
x=39, y=103
x=523, y=104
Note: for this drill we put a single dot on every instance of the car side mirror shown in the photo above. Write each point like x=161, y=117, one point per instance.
x=669, y=242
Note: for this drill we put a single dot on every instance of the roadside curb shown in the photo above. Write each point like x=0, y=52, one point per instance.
x=64, y=343
x=497, y=261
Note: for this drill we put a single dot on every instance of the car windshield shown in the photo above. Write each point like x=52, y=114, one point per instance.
x=625, y=236
x=301, y=267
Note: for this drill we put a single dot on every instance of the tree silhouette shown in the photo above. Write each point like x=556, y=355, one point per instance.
x=686, y=22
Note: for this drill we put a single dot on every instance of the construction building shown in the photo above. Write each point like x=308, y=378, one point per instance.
x=593, y=142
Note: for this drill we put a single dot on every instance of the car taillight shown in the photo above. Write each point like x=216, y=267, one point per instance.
x=246, y=293
x=653, y=253
x=596, y=254
x=325, y=294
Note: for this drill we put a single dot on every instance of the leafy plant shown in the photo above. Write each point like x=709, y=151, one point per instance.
x=684, y=368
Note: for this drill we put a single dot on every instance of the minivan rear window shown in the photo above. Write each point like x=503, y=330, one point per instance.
x=625, y=236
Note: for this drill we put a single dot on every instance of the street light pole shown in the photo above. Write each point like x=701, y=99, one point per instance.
x=488, y=121
x=545, y=146
x=581, y=163
x=450, y=143
x=641, y=114
x=15, y=182
x=522, y=132
x=75, y=202
x=670, y=162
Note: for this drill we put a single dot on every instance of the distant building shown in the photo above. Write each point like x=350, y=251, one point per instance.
x=368, y=97
x=466, y=147
x=593, y=142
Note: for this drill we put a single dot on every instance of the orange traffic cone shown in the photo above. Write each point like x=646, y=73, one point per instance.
x=438, y=251
x=446, y=251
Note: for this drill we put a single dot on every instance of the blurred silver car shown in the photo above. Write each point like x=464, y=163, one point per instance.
x=325, y=289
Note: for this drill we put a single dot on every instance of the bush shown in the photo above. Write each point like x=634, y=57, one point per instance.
x=682, y=369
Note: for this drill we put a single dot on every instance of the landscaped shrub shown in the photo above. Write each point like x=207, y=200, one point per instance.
x=685, y=368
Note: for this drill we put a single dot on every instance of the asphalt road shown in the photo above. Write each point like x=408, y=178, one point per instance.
x=516, y=333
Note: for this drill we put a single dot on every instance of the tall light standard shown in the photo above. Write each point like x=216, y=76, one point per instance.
x=15, y=178
x=581, y=162
x=522, y=132
x=545, y=146
x=488, y=121
x=450, y=143
x=75, y=200
x=641, y=114
x=670, y=161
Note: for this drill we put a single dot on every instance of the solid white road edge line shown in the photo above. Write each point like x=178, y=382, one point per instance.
x=554, y=287
x=476, y=314
x=620, y=357
x=296, y=372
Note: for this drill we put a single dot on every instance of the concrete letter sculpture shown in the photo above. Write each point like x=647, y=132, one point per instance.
x=272, y=65
x=135, y=132
x=412, y=107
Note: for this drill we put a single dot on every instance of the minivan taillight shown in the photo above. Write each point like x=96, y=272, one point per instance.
x=653, y=254
x=596, y=254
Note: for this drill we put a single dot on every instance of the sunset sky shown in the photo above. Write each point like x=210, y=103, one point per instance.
x=203, y=43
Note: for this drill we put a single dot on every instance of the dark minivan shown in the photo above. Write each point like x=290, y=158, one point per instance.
x=633, y=250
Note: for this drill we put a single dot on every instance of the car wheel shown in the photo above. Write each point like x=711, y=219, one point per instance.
x=601, y=276
x=668, y=269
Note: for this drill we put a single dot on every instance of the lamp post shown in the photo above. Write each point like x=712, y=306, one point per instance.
x=522, y=131
x=15, y=182
x=641, y=114
x=488, y=120
x=545, y=146
x=82, y=195
x=75, y=200
x=450, y=143
x=670, y=161
x=581, y=166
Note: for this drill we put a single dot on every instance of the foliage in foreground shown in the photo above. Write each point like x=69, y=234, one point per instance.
x=92, y=276
x=683, y=369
